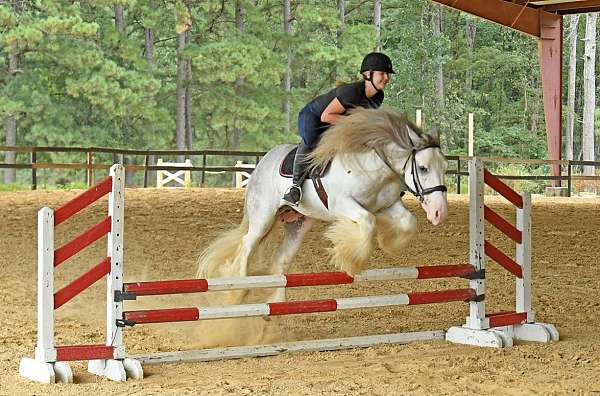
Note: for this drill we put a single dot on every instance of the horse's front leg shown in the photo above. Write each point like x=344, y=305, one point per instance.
x=352, y=236
x=396, y=225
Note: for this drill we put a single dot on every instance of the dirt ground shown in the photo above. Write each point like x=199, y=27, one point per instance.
x=165, y=230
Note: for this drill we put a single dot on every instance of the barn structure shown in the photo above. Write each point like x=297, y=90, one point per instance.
x=542, y=19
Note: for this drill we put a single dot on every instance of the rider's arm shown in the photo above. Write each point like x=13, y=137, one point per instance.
x=333, y=111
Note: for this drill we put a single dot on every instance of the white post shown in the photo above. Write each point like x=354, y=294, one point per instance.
x=159, y=174
x=120, y=367
x=116, y=203
x=44, y=367
x=187, y=176
x=238, y=175
x=45, y=350
x=418, y=119
x=471, y=135
x=523, y=256
x=476, y=319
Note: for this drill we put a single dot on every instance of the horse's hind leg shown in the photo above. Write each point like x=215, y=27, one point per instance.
x=293, y=234
x=258, y=228
x=260, y=222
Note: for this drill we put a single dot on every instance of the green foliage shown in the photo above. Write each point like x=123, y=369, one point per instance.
x=81, y=82
x=511, y=142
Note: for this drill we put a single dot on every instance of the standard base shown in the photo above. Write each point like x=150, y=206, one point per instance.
x=116, y=370
x=501, y=337
x=47, y=373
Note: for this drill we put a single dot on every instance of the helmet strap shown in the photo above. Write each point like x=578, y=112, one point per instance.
x=370, y=79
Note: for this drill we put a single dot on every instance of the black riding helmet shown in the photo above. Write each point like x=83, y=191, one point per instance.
x=376, y=61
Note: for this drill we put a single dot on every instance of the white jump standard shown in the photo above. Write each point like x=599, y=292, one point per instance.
x=110, y=360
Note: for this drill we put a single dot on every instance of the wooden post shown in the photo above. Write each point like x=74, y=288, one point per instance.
x=33, y=170
x=569, y=180
x=418, y=119
x=458, y=176
x=90, y=169
x=146, y=160
x=203, y=173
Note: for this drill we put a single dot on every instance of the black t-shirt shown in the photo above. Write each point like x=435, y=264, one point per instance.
x=350, y=96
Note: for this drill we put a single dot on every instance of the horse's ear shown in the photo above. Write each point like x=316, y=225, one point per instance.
x=435, y=132
x=415, y=137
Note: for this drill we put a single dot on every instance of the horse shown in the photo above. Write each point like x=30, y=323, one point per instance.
x=374, y=156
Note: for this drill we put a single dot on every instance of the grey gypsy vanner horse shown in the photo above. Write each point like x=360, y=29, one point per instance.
x=374, y=156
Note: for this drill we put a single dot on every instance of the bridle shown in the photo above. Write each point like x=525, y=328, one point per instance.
x=419, y=191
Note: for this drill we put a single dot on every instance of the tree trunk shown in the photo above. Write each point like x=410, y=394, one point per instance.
x=120, y=26
x=149, y=45
x=189, y=123
x=470, y=36
x=240, y=14
x=340, y=31
x=573, y=23
x=287, y=78
x=436, y=22
x=180, y=94
x=377, y=22
x=342, y=24
x=10, y=123
x=119, y=19
x=589, y=91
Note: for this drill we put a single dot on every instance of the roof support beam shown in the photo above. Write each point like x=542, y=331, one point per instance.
x=551, y=51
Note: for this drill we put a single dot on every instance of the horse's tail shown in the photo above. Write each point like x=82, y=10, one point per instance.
x=218, y=259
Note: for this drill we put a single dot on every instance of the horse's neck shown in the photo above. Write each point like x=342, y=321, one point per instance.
x=372, y=163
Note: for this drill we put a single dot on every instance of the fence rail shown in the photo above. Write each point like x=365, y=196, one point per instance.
x=119, y=155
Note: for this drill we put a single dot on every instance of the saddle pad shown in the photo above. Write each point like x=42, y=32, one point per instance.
x=286, y=169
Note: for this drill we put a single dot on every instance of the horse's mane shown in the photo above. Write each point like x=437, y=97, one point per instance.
x=367, y=129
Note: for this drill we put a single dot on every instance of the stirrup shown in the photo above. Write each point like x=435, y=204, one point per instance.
x=290, y=197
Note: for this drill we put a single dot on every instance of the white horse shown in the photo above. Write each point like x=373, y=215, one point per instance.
x=375, y=156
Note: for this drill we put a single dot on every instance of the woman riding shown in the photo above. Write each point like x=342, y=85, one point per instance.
x=326, y=109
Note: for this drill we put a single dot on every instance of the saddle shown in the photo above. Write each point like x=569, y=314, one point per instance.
x=286, y=169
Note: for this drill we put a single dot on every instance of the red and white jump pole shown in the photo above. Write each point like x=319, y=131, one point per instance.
x=180, y=286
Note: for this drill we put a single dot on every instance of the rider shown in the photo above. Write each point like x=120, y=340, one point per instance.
x=327, y=109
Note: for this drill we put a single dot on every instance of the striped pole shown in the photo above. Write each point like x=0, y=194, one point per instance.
x=294, y=280
x=295, y=307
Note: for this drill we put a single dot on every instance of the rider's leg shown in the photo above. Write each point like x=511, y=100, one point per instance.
x=310, y=128
x=294, y=194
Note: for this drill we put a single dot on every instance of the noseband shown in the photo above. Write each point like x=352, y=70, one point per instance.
x=419, y=191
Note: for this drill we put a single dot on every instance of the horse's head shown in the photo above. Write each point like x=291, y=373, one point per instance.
x=424, y=174
x=403, y=147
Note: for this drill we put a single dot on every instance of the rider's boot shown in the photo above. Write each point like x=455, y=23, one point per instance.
x=293, y=195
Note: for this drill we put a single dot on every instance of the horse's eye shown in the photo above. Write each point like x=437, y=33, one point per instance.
x=423, y=169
